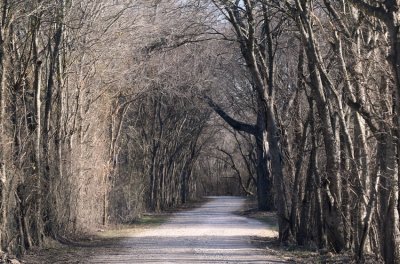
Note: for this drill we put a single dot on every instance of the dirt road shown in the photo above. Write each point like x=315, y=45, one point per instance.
x=209, y=234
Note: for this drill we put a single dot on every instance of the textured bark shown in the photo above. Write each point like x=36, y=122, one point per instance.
x=4, y=178
x=37, y=87
x=297, y=186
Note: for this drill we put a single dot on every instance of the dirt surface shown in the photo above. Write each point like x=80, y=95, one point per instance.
x=213, y=233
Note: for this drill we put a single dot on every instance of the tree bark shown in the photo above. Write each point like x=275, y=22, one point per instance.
x=4, y=179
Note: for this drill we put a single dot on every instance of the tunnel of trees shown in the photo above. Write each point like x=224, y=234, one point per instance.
x=112, y=108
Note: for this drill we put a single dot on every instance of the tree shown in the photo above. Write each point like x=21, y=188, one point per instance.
x=258, y=54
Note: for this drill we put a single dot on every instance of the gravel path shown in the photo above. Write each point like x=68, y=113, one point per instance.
x=209, y=234
x=212, y=233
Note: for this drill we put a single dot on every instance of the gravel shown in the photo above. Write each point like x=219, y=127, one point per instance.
x=212, y=233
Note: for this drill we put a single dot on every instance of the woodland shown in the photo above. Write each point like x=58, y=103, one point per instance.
x=113, y=108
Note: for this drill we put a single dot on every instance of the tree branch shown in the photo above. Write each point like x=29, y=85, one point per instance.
x=358, y=107
x=237, y=125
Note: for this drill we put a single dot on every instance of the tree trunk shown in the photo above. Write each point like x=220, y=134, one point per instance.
x=4, y=179
x=37, y=86
x=265, y=196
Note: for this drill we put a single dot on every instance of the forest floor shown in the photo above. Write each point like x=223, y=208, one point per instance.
x=292, y=252
x=221, y=230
